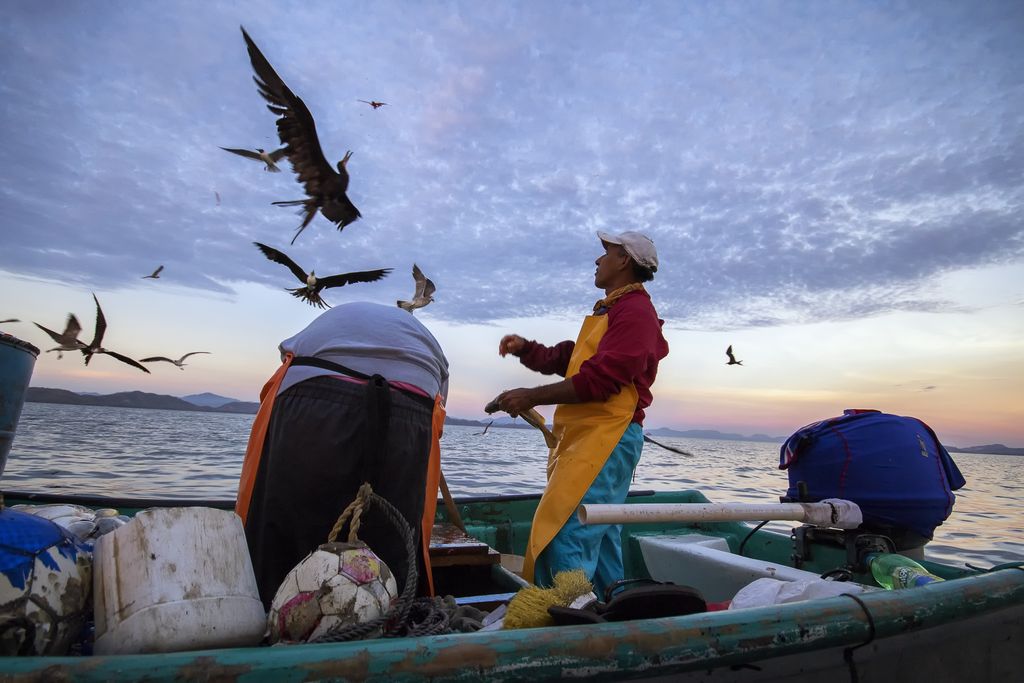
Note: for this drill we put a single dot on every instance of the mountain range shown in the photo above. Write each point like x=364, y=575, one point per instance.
x=209, y=402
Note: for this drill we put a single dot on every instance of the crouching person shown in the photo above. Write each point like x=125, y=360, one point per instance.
x=359, y=397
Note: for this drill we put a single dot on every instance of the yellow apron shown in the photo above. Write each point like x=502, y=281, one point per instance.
x=587, y=434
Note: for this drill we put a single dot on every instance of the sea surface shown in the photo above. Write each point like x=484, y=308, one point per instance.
x=169, y=454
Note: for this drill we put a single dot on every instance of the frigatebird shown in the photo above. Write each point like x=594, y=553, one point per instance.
x=66, y=340
x=374, y=103
x=180, y=362
x=154, y=275
x=325, y=188
x=424, y=293
x=732, y=358
x=260, y=154
x=96, y=345
x=313, y=285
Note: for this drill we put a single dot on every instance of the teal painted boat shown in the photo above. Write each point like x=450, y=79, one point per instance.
x=969, y=627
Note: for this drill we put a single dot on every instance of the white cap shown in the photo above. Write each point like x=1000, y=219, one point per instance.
x=640, y=247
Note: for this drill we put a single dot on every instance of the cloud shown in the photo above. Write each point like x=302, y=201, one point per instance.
x=823, y=162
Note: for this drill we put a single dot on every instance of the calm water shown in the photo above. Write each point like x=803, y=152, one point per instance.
x=159, y=453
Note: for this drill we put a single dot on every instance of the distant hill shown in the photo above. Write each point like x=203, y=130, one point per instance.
x=714, y=434
x=132, y=399
x=990, y=449
x=209, y=400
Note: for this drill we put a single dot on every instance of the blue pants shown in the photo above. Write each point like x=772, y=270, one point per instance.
x=595, y=548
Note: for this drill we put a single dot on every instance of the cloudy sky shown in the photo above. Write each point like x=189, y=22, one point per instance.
x=836, y=189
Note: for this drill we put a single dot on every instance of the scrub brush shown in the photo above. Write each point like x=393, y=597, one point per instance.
x=529, y=607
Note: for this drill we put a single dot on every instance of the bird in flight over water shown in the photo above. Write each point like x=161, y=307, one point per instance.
x=9, y=320
x=313, y=285
x=268, y=158
x=154, y=275
x=66, y=340
x=96, y=345
x=424, y=293
x=375, y=104
x=732, y=358
x=180, y=362
x=325, y=188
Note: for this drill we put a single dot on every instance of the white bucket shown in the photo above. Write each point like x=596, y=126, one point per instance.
x=175, y=579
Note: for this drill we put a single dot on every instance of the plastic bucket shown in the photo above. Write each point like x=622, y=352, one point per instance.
x=17, y=359
x=175, y=579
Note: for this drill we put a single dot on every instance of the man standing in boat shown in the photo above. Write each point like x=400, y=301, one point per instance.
x=608, y=372
x=359, y=397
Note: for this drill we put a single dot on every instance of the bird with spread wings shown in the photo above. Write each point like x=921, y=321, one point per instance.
x=325, y=188
x=424, y=293
x=66, y=340
x=732, y=358
x=180, y=362
x=313, y=285
x=269, y=159
x=155, y=275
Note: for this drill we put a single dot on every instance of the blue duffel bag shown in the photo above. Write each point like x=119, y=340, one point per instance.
x=893, y=467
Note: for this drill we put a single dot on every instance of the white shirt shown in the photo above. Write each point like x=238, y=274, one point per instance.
x=372, y=339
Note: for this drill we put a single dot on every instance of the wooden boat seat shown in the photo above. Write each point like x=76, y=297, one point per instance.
x=450, y=546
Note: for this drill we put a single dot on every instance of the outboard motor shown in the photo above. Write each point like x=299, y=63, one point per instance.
x=893, y=467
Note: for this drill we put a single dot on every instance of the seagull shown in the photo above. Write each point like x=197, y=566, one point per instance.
x=732, y=358
x=375, y=104
x=155, y=275
x=312, y=285
x=424, y=291
x=325, y=188
x=180, y=362
x=95, y=346
x=66, y=340
x=268, y=158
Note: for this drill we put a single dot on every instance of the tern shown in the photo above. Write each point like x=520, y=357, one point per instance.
x=95, y=346
x=180, y=362
x=325, y=188
x=424, y=293
x=66, y=340
x=732, y=358
x=154, y=275
x=260, y=154
x=313, y=285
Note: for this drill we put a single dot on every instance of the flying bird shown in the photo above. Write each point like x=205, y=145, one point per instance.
x=732, y=358
x=217, y=195
x=325, y=188
x=375, y=104
x=66, y=340
x=260, y=154
x=10, y=320
x=313, y=285
x=154, y=275
x=424, y=293
x=180, y=362
x=95, y=346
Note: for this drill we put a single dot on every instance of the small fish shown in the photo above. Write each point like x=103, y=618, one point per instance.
x=532, y=418
x=680, y=451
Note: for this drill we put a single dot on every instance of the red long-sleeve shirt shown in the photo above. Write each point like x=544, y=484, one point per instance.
x=628, y=353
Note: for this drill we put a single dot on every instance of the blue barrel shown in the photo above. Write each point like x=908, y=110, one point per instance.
x=17, y=358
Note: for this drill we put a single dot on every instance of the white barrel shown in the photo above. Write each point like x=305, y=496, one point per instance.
x=175, y=579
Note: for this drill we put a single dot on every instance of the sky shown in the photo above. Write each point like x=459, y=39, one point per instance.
x=836, y=189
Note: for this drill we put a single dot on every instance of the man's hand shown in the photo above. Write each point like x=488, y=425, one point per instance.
x=515, y=401
x=511, y=343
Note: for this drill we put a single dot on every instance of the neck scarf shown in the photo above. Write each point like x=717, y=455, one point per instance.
x=604, y=304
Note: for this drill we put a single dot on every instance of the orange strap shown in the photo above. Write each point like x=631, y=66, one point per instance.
x=433, y=482
x=253, y=452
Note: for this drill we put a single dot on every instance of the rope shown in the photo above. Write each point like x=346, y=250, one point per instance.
x=355, y=510
x=848, y=652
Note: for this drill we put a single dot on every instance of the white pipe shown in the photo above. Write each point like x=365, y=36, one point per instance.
x=822, y=514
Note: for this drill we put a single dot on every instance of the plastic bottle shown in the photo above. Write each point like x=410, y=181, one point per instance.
x=896, y=571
